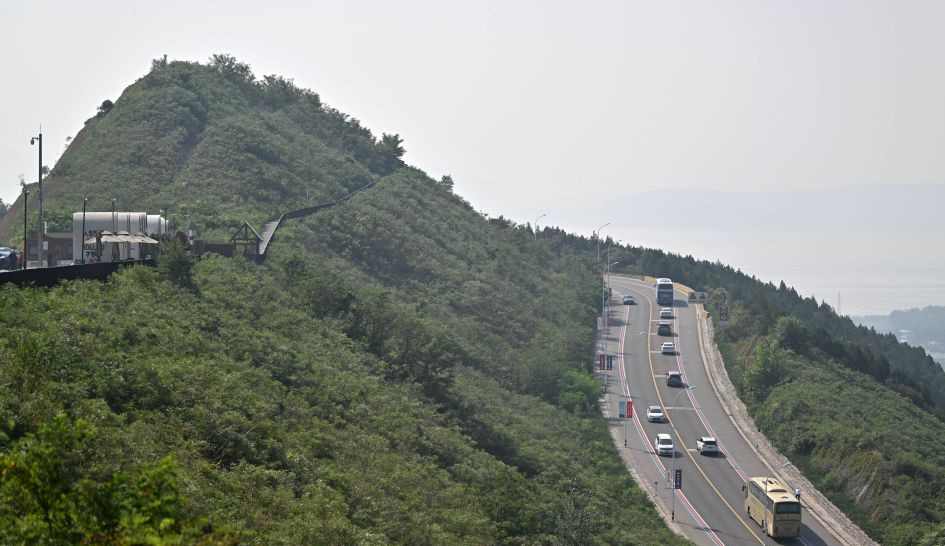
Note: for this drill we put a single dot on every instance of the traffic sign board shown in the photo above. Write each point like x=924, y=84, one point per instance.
x=698, y=297
x=723, y=313
x=677, y=481
x=623, y=409
x=610, y=362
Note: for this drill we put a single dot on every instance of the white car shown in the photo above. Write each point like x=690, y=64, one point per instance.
x=664, y=445
x=668, y=348
x=707, y=445
x=666, y=312
x=655, y=414
x=628, y=299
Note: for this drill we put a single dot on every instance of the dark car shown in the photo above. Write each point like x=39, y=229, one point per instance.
x=9, y=258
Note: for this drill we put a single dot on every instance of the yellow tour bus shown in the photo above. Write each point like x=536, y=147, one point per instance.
x=769, y=503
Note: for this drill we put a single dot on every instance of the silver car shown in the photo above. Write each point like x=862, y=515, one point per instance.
x=654, y=414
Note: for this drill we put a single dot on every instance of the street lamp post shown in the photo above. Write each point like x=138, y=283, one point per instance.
x=536, y=224
x=597, y=236
x=85, y=202
x=26, y=213
x=764, y=525
x=673, y=477
x=42, y=235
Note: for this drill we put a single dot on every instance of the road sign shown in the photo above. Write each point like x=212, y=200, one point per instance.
x=623, y=409
x=610, y=362
x=629, y=409
x=698, y=297
x=677, y=482
x=723, y=313
x=602, y=362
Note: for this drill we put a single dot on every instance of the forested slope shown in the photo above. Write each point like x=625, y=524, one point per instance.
x=402, y=370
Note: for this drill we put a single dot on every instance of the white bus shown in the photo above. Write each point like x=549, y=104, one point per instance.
x=664, y=292
x=769, y=503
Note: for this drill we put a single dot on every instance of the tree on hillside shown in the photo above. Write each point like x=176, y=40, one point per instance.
x=105, y=107
x=48, y=495
x=392, y=150
x=234, y=70
x=176, y=266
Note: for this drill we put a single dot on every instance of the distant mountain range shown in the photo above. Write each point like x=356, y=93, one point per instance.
x=862, y=207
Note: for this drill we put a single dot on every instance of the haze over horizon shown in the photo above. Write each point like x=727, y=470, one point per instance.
x=529, y=105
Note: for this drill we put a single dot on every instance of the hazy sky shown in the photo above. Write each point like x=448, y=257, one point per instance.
x=534, y=105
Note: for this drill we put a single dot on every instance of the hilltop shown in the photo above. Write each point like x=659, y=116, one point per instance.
x=215, y=142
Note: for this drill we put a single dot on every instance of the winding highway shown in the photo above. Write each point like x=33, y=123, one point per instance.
x=709, y=508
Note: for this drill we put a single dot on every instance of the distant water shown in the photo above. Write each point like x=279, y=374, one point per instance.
x=874, y=272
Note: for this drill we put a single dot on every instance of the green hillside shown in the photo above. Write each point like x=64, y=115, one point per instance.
x=402, y=370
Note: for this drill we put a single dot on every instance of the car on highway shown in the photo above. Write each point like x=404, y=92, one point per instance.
x=664, y=328
x=666, y=312
x=628, y=299
x=668, y=348
x=655, y=414
x=674, y=379
x=707, y=445
x=664, y=444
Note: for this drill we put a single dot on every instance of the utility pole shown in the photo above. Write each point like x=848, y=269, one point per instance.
x=536, y=224
x=85, y=201
x=26, y=213
x=42, y=232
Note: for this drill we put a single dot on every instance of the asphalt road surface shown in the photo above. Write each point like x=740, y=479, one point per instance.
x=709, y=508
